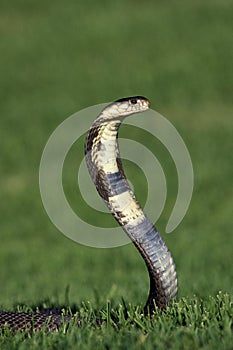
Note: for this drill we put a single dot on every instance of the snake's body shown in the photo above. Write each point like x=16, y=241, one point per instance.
x=105, y=168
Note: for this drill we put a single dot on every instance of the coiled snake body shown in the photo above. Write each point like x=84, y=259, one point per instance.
x=105, y=168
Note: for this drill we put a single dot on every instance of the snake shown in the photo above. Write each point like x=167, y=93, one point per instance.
x=106, y=171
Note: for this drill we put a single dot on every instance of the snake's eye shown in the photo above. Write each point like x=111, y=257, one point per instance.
x=133, y=101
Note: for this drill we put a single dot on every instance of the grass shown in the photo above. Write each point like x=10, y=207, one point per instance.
x=187, y=324
x=56, y=60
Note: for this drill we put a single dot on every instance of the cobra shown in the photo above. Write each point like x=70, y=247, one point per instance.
x=107, y=173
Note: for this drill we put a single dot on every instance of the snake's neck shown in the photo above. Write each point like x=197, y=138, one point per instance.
x=104, y=164
x=105, y=167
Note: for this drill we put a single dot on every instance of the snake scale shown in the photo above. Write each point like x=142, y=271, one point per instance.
x=106, y=171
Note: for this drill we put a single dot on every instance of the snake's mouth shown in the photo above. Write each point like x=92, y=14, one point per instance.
x=146, y=103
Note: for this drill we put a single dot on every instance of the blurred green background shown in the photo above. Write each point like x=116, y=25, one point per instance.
x=59, y=57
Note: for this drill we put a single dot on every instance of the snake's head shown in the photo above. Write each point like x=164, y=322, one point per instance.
x=127, y=106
